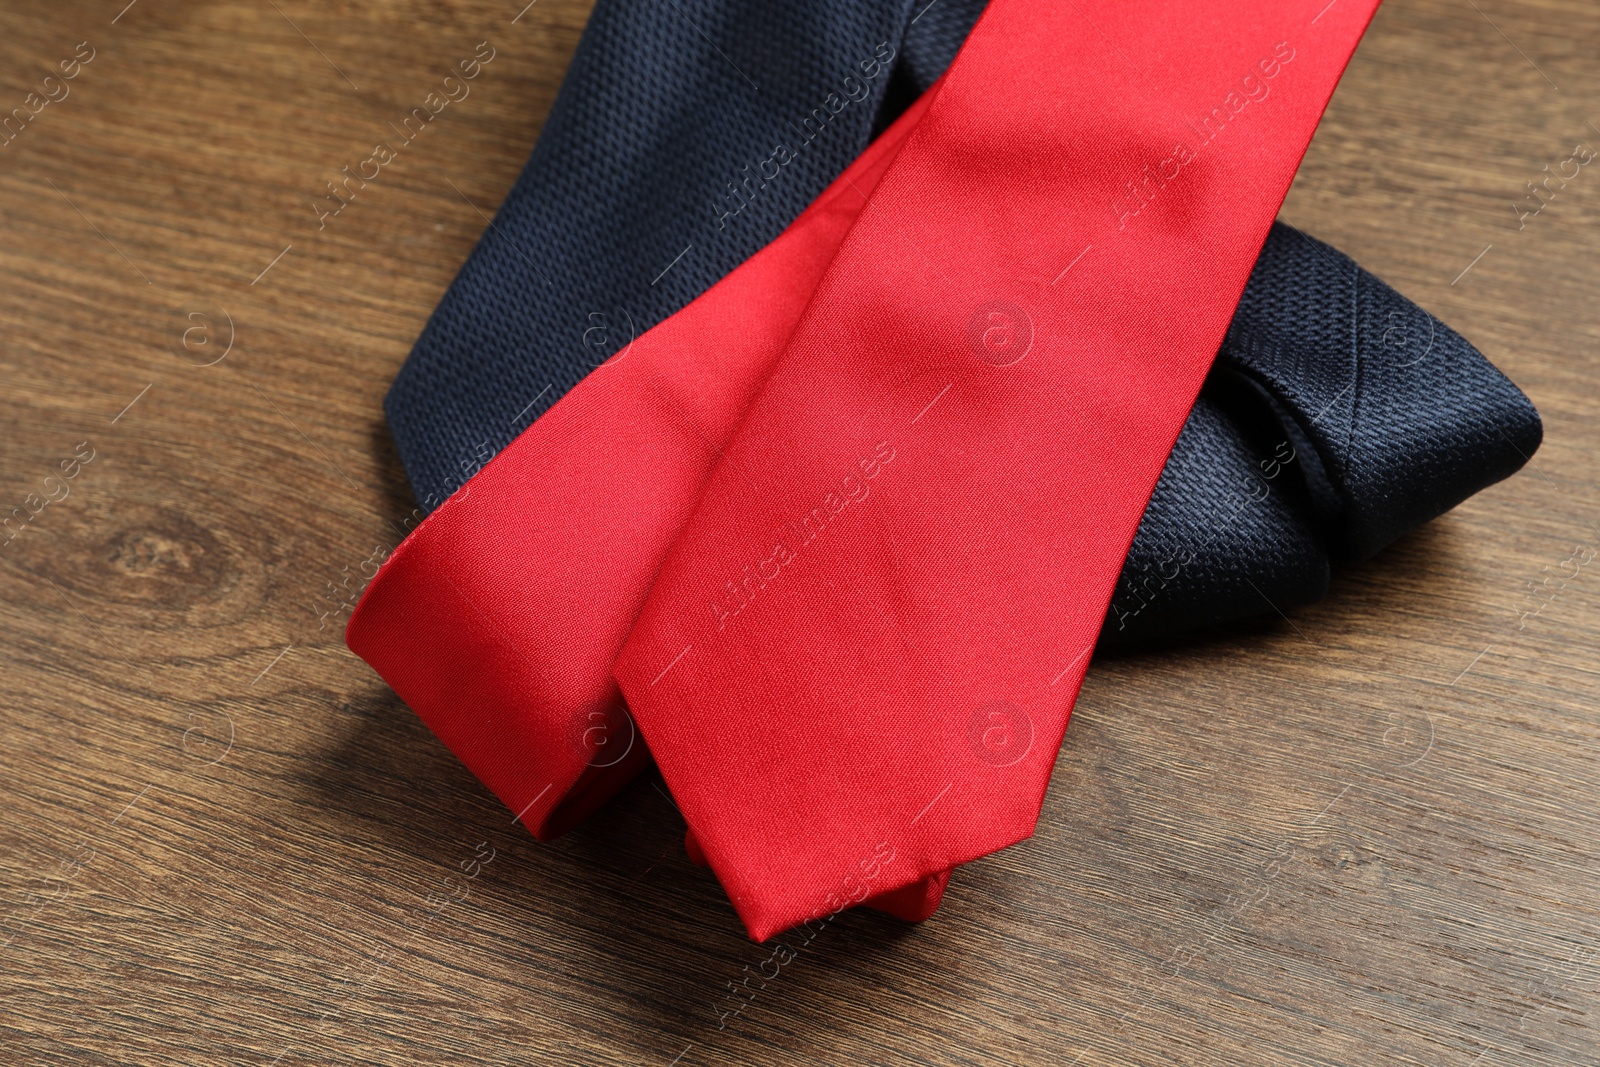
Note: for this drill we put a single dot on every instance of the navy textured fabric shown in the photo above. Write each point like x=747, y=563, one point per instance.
x=656, y=175
x=1339, y=414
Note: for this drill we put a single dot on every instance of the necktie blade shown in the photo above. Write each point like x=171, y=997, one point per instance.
x=857, y=662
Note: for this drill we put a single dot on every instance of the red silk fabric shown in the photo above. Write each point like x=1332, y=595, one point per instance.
x=846, y=526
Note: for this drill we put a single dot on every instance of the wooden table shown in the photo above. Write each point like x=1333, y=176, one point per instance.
x=1366, y=838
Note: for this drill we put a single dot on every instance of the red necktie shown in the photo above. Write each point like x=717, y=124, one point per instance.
x=857, y=662
x=499, y=619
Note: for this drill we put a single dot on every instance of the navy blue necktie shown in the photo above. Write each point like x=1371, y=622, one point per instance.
x=1339, y=415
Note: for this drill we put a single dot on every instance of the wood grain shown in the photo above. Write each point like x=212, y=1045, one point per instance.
x=1364, y=837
